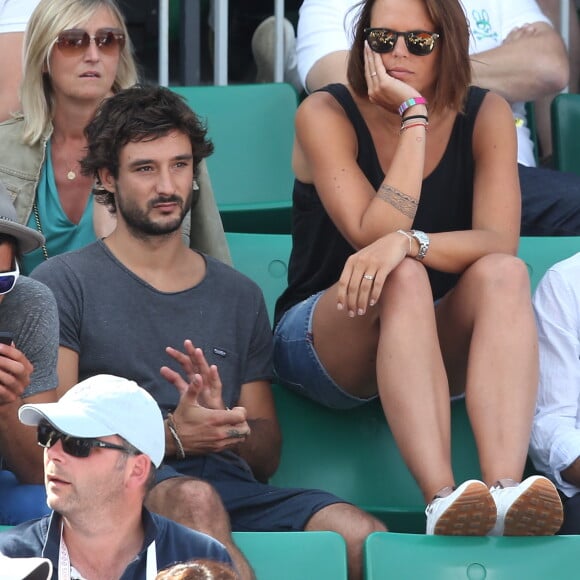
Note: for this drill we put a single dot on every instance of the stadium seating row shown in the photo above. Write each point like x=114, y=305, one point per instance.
x=322, y=556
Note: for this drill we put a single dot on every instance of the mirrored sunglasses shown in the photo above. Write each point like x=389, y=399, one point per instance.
x=8, y=280
x=47, y=436
x=418, y=42
x=76, y=40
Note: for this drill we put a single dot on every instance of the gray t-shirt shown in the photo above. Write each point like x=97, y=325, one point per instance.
x=119, y=324
x=29, y=312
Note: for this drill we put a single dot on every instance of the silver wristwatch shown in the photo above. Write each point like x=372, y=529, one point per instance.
x=423, y=240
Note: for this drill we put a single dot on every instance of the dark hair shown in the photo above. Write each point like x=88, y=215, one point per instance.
x=12, y=241
x=452, y=49
x=140, y=113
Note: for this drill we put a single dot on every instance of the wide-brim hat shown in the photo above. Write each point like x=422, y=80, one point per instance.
x=27, y=238
x=25, y=568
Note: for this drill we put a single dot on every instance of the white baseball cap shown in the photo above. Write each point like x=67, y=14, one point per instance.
x=25, y=568
x=105, y=405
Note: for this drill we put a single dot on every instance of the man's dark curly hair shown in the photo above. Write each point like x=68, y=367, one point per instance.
x=140, y=113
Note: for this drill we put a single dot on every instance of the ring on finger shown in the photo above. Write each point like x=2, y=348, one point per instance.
x=368, y=277
x=373, y=74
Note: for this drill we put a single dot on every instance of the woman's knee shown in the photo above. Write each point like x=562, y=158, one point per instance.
x=408, y=281
x=501, y=276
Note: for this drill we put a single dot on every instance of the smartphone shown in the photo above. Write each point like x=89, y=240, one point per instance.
x=6, y=337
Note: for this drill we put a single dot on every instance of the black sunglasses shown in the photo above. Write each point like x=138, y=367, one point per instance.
x=76, y=40
x=76, y=446
x=418, y=42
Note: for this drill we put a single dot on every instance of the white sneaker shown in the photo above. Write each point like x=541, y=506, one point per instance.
x=264, y=51
x=531, y=508
x=467, y=511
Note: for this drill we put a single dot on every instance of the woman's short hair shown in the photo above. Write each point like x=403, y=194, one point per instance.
x=454, y=66
x=48, y=20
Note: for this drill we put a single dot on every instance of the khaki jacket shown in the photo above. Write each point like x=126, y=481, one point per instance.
x=21, y=165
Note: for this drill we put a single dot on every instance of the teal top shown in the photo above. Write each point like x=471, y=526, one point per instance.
x=60, y=233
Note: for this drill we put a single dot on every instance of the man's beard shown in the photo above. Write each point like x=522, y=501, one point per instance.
x=138, y=221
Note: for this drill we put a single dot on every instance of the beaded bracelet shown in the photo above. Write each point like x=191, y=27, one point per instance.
x=411, y=103
x=173, y=430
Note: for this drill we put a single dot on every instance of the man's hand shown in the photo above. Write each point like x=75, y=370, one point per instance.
x=203, y=423
x=15, y=371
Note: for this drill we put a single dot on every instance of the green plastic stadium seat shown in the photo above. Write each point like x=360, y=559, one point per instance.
x=565, y=118
x=252, y=128
x=352, y=453
x=294, y=555
x=411, y=556
x=264, y=259
x=539, y=253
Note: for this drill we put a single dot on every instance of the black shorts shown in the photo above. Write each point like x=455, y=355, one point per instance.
x=252, y=506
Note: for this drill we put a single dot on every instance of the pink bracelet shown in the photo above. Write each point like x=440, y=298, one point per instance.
x=411, y=103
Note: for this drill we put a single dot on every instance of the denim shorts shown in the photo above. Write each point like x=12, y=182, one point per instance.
x=296, y=364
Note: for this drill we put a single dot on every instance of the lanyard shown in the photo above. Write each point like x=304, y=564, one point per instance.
x=64, y=568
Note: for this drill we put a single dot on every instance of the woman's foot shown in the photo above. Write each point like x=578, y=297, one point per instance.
x=530, y=508
x=469, y=510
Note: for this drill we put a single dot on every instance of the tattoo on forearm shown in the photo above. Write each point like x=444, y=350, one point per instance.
x=406, y=204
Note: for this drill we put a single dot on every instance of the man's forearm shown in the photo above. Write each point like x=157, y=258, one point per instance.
x=261, y=450
x=524, y=69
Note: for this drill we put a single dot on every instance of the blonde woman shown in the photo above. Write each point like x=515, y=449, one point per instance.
x=76, y=53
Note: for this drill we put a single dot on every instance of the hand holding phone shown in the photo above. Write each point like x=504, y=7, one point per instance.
x=6, y=337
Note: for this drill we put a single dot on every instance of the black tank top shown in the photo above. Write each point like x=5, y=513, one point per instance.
x=319, y=250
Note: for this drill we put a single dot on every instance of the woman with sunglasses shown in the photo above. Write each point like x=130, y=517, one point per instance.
x=77, y=53
x=403, y=284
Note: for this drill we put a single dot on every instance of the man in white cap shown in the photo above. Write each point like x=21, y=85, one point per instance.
x=29, y=323
x=102, y=442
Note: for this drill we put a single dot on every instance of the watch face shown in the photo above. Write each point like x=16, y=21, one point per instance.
x=421, y=237
x=423, y=240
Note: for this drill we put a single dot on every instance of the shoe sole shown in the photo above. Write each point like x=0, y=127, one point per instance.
x=537, y=512
x=473, y=513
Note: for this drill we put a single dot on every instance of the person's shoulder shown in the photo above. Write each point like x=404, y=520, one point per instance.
x=568, y=268
x=29, y=290
x=28, y=286
x=72, y=260
x=12, y=127
x=25, y=539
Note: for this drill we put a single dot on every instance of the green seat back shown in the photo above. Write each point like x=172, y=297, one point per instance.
x=565, y=118
x=540, y=253
x=411, y=556
x=252, y=129
x=294, y=555
x=264, y=259
x=353, y=454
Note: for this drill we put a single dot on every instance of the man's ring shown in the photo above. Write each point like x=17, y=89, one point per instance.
x=374, y=74
x=368, y=277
